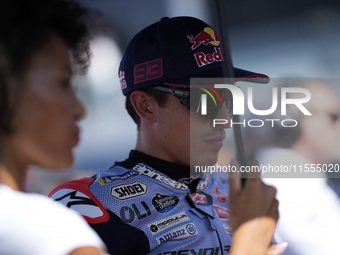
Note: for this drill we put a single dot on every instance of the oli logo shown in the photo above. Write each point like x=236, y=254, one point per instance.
x=129, y=214
x=206, y=36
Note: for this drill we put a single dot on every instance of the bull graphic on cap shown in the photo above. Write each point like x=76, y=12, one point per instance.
x=208, y=35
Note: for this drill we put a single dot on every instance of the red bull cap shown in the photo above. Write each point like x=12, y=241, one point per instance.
x=173, y=50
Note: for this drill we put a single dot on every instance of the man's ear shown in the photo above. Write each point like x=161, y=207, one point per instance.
x=144, y=105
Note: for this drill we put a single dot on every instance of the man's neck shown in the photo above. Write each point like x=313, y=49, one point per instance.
x=173, y=170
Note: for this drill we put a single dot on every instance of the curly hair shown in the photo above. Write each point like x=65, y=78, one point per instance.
x=25, y=26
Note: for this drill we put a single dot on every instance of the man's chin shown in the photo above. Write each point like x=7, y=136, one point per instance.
x=203, y=160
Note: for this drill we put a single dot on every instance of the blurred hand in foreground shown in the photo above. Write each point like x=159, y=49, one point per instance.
x=253, y=214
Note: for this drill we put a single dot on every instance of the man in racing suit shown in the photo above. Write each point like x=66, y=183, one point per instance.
x=147, y=203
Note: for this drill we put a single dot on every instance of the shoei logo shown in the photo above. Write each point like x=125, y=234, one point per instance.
x=127, y=191
x=205, y=37
x=237, y=99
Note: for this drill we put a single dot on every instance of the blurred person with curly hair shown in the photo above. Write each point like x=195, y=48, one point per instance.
x=42, y=43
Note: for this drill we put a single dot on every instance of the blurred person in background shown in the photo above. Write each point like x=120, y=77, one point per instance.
x=148, y=203
x=309, y=209
x=38, y=113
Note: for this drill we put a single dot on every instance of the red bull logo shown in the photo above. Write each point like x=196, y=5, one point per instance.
x=206, y=36
x=122, y=80
x=203, y=59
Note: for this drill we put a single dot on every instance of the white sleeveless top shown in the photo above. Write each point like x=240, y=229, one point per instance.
x=32, y=224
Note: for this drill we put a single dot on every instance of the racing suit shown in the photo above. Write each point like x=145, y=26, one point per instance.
x=137, y=209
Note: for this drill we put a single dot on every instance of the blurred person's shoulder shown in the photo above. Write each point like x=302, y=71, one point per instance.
x=34, y=224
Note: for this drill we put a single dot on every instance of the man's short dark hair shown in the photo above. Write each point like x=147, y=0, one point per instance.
x=160, y=97
x=25, y=26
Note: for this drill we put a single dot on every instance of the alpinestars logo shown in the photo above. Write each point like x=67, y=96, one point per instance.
x=79, y=202
x=145, y=170
x=72, y=198
x=203, y=184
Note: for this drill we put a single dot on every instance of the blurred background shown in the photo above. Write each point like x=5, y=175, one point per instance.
x=279, y=38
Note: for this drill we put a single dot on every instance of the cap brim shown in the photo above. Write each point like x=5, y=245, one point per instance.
x=248, y=76
x=239, y=75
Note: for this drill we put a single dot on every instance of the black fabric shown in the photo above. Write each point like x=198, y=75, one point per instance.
x=131, y=240
x=172, y=170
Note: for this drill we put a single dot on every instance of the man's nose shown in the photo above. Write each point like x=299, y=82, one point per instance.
x=225, y=115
